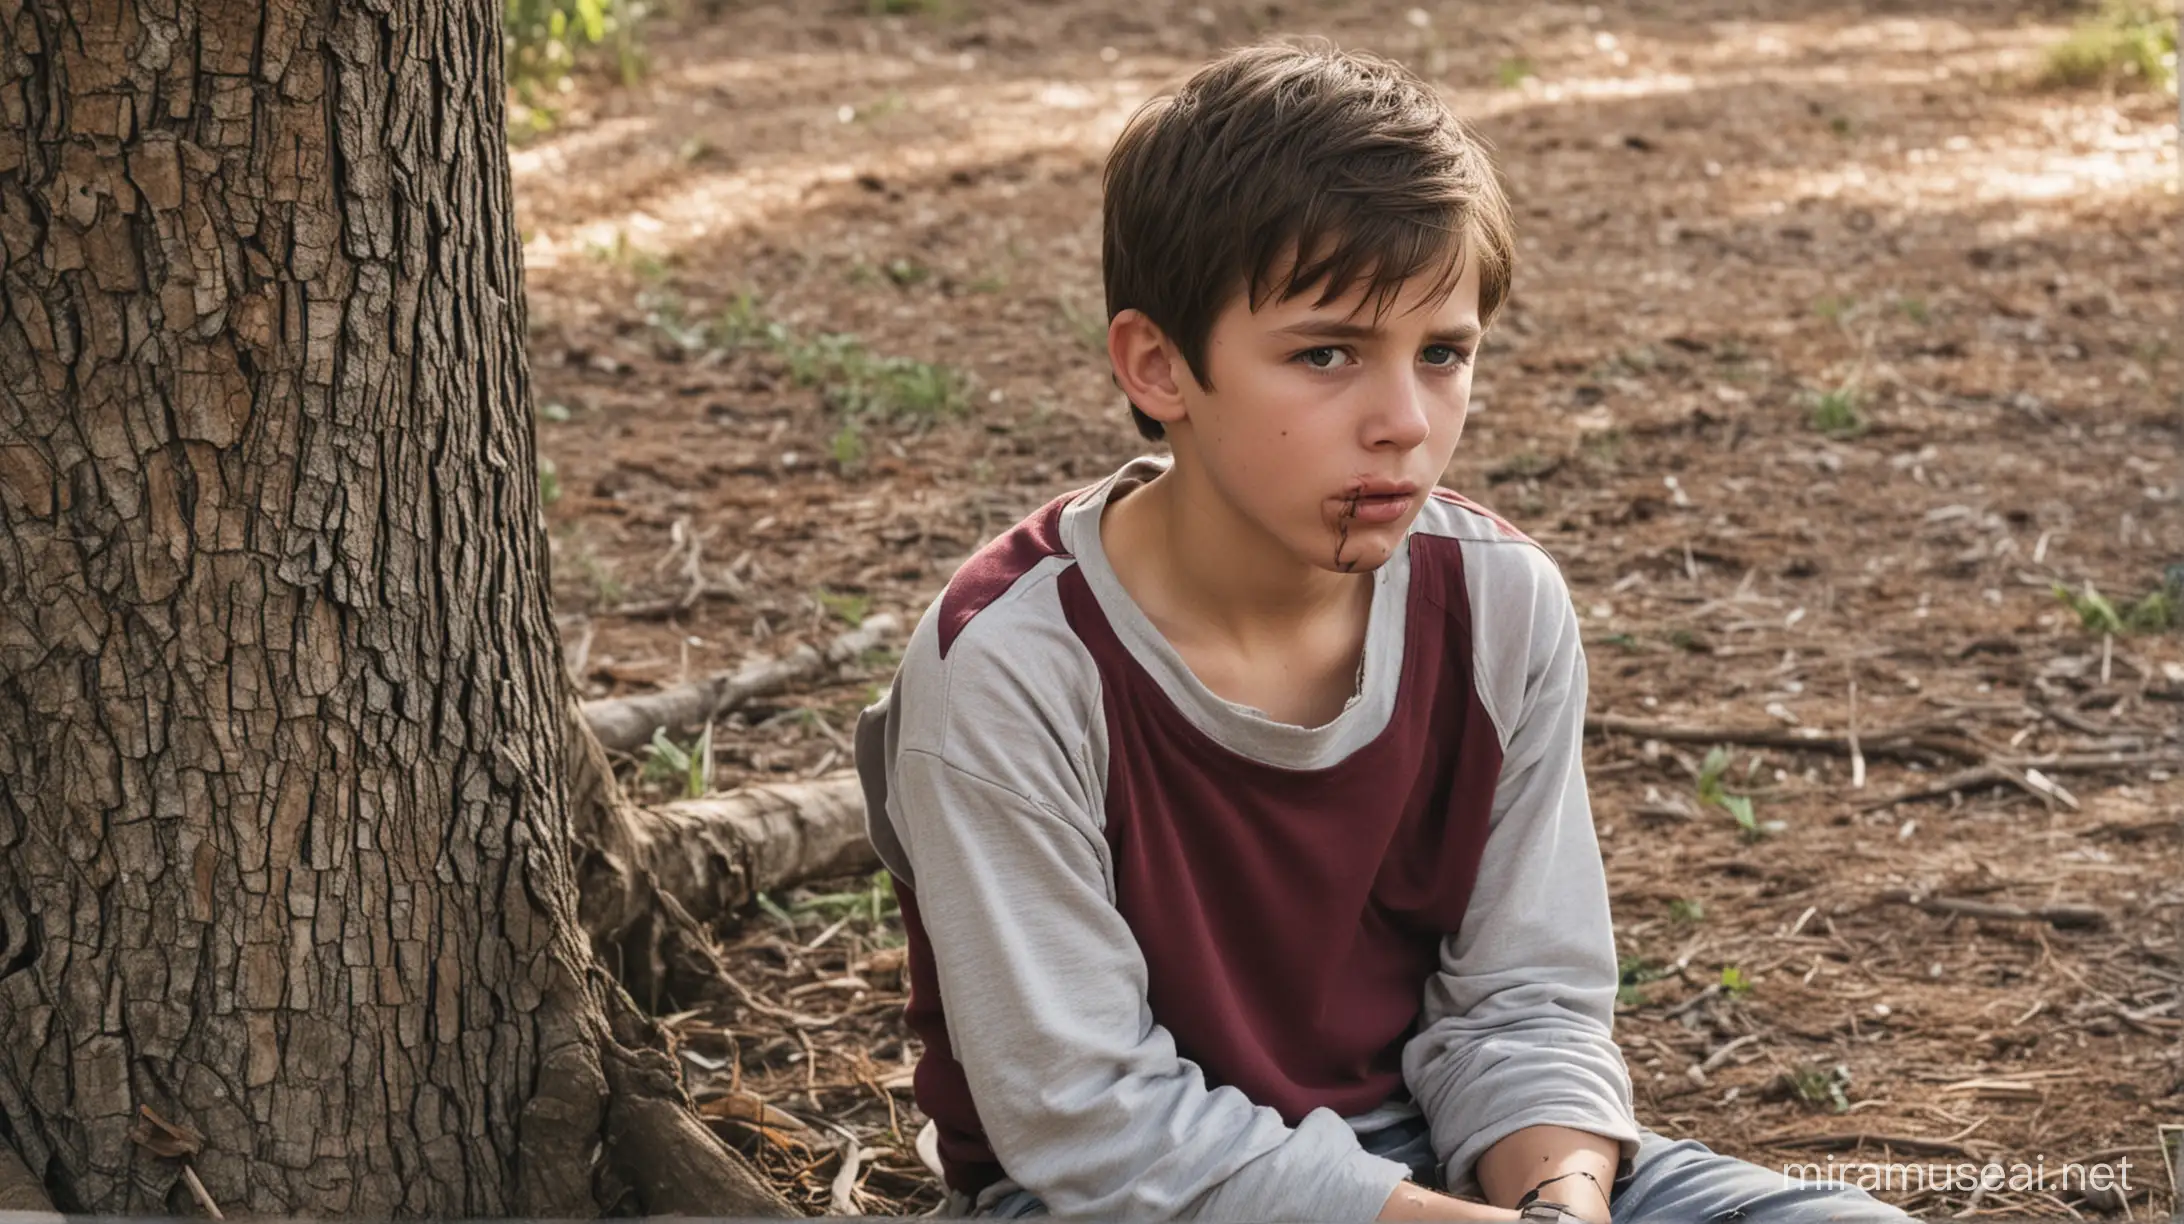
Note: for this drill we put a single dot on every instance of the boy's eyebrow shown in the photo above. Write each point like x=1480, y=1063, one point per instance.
x=1338, y=329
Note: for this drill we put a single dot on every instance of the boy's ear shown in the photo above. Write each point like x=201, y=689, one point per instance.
x=1146, y=366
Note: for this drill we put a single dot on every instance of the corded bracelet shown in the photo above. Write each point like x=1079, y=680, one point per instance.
x=1532, y=1195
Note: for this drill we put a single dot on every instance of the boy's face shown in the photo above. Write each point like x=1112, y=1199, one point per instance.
x=1328, y=426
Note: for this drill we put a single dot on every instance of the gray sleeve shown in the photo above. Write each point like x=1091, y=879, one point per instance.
x=1516, y=1030
x=1083, y=1097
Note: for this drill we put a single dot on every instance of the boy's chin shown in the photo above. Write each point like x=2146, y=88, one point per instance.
x=1355, y=560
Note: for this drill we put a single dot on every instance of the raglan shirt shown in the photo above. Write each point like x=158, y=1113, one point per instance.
x=1170, y=958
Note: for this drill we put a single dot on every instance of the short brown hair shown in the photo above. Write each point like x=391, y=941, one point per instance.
x=1318, y=166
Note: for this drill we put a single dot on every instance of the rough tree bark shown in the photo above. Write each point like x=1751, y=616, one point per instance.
x=284, y=846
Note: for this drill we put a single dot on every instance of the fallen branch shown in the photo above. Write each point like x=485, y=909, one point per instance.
x=625, y=724
x=715, y=855
x=1858, y=1139
x=1913, y=740
x=2081, y=917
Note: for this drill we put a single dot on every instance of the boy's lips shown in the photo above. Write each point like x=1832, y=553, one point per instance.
x=1379, y=501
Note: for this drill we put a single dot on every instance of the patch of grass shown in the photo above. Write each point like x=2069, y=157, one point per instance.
x=1841, y=125
x=1633, y=972
x=1735, y=982
x=743, y=324
x=689, y=770
x=1686, y=910
x=855, y=381
x=851, y=379
x=991, y=282
x=1514, y=71
x=849, y=607
x=2127, y=44
x=1914, y=309
x=549, y=482
x=1838, y=413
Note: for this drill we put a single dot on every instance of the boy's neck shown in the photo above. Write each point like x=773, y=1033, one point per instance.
x=1195, y=565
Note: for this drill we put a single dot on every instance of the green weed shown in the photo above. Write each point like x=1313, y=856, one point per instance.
x=1820, y=1086
x=1837, y=413
x=1914, y=309
x=1735, y=982
x=849, y=607
x=689, y=769
x=1686, y=911
x=1514, y=71
x=549, y=482
x=2127, y=44
x=2155, y=612
x=1711, y=791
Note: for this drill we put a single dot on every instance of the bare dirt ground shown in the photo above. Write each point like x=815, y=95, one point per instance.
x=1729, y=212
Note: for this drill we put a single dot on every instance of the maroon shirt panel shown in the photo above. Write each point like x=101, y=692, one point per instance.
x=967, y=1162
x=1289, y=918
x=993, y=569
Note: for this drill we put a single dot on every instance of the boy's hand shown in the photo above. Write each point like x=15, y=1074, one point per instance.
x=1411, y=1201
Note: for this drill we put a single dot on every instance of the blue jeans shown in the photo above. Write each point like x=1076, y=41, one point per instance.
x=1670, y=1181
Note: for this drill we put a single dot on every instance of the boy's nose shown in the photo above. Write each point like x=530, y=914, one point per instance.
x=1400, y=420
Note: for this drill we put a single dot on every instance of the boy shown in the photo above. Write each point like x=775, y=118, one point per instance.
x=1235, y=804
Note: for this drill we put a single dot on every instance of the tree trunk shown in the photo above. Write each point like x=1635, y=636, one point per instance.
x=284, y=846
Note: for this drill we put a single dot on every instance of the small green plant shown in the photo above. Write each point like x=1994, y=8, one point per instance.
x=554, y=411
x=1633, y=972
x=1686, y=911
x=1914, y=309
x=689, y=769
x=2155, y=612
x=847, y=446
x=1514, y=71
x=991, y=282
x=907, y=272
x=854, y=381
x=2127, y=44
x=1837, y=414
x=849, y=607
x=1841, y=125
x=874, y=903
x=1711, y=791
x=1735, y=982
x=549, y=482
x=1822, y=1086
x=743, y=324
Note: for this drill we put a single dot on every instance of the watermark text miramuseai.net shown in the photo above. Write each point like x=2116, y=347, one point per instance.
x=1888, y=1177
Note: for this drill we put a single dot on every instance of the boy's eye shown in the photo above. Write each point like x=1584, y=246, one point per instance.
x=1445, y=355
x=1323, y=358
